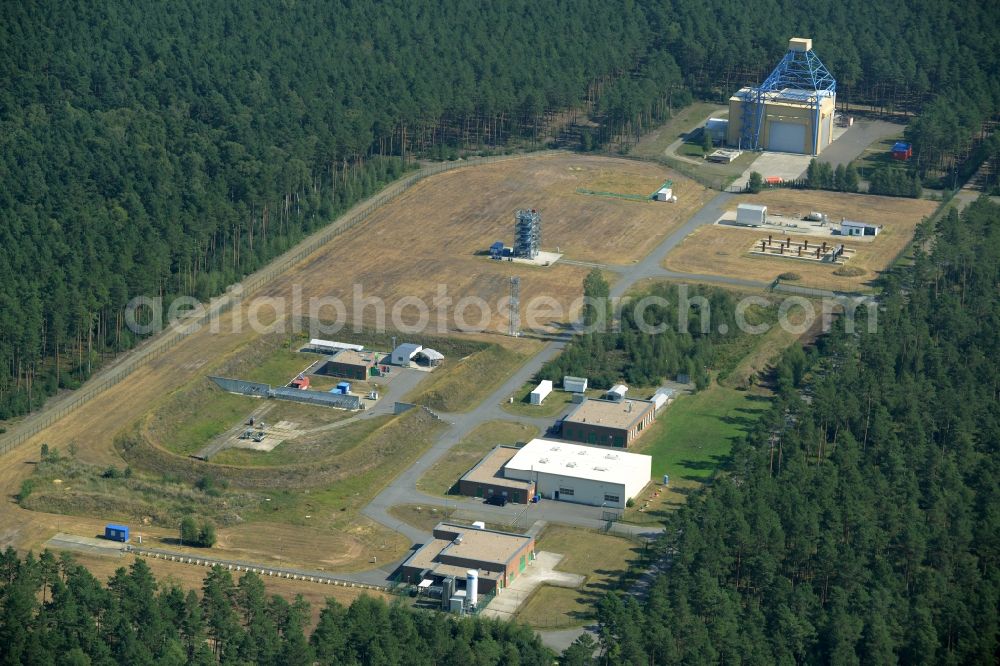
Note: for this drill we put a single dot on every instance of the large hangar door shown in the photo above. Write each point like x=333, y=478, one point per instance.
x=786, y=137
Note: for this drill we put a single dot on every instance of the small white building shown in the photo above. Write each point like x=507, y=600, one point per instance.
x=429, y=356
x=664, y=194
x=404, y=354
x=751, y=215
x=581, y=474
x=616, y=392
x=662, y=397
x=850, y=228
x=573, y=384
x=541, y=392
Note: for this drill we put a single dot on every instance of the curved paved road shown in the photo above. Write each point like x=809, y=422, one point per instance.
x=403, y=489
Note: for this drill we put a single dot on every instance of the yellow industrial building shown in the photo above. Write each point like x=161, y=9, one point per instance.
x=792, y=111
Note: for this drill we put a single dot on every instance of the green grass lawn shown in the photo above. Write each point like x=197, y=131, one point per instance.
x=553, y=405
x=877, y=154
x=697, y=431
x=601, y=558
x=307, y=448
x=339, y=502
x=194, y=420
x=690, y=441
x=444, y=474
x=460, y=385
x=654, y=144
x=280, y=367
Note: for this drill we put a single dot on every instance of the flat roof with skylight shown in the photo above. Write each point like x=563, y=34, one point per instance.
x=584, y=462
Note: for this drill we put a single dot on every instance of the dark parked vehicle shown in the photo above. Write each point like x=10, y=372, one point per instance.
x=496, y=500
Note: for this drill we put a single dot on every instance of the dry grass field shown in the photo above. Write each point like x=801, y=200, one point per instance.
x=723, y=250
x=445, y=473
x=426, y=237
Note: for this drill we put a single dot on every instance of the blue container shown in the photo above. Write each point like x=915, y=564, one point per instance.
x=116, y=533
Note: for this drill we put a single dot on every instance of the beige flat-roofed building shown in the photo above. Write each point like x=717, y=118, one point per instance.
x=608, y=422
x=487, y=479
x=498, y=557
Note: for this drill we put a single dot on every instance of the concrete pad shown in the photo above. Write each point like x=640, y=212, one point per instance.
x=90, y=545
x=543, y=259
x=541, y=571
x=787, y=166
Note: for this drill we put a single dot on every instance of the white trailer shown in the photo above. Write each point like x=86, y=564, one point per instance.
x=541, y=392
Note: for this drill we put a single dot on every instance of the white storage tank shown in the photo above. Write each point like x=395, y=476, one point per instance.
x=472, y=587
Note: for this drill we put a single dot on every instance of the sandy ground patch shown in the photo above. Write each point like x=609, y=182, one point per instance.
x=724, y=250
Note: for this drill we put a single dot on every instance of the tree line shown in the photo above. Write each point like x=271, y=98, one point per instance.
x=160, y=150
x=681, y=330
x=859, y=522
x=53, y=610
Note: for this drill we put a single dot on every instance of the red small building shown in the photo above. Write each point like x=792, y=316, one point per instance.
x=902, y=151
x=300, y=382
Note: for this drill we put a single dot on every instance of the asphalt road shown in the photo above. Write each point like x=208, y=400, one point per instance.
x=403, y=489
x=853, y=142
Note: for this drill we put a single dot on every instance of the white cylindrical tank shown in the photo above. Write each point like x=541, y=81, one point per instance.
x=472, y=587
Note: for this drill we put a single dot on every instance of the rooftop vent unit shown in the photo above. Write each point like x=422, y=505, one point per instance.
x=571, y=464
x=600, y=469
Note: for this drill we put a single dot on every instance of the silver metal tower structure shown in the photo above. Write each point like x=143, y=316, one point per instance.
x=527, y=233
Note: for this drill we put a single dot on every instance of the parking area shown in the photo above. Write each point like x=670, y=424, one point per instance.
x=848, y=143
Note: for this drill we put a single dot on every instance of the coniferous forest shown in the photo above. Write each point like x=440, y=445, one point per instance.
x=861, y=522
x=170, y=148
x=55, y=611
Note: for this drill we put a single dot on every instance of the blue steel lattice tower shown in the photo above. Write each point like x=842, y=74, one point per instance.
x=527, y=233
x=800, y=77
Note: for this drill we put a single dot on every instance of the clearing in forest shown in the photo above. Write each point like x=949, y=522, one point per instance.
x=725, y=250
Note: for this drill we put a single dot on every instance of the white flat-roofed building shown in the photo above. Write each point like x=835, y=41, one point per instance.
x=581, y=474
x=852, y=228
x=332, y=347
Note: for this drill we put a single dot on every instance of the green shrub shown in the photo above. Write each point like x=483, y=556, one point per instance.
x=27, y=487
